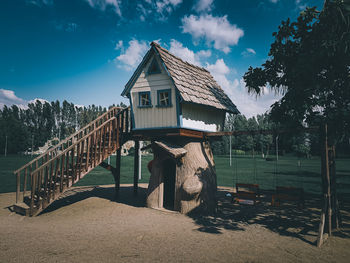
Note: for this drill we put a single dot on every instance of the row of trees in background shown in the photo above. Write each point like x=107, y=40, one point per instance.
x=40, y=122
x=301, y=144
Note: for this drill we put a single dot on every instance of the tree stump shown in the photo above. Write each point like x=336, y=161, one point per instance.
x=183, y=176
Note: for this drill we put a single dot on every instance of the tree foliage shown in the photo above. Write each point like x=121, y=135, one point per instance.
x=309, y=64
x=41, y=122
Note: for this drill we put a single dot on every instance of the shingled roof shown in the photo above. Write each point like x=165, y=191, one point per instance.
x=195, y=84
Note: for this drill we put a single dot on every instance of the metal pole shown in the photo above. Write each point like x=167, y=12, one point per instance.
x=277, y=147
x=140, y=154
x=109, y=160
x=6, y=146
x=230, y=151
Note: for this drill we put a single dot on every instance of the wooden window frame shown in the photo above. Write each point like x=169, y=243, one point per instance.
x=140, y=99
x=158, y=98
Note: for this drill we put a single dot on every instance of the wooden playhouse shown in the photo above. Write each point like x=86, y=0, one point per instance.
x=175, y=105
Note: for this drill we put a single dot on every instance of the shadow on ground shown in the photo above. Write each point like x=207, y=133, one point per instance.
x=286, y=220
x=126, y=196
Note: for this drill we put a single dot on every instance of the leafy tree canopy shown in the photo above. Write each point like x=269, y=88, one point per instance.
x=309, y=64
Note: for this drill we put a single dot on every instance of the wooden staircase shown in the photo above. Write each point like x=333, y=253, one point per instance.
x=45, y=178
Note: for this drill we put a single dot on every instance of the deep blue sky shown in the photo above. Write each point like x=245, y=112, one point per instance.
x=85, y=51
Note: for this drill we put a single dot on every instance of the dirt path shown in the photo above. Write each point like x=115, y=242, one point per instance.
x=87, y=226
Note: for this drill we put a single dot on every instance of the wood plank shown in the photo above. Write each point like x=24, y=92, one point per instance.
x=47, y=177
x=77, y=165
x=136, y=166
x=62, y=172
x=50, y=179
x=109, y=138
x=33, y=183
x=88, y=144
x=18, y=184
x=81, y=154
x=67, y=168
x=95, y=147
x=118, y=132
x=173, y=150
x=72, y=163
x=66, y=139
x=117, y=172
x=100, y=144
x=25, y=182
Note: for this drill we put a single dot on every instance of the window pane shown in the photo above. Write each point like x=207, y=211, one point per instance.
x=145, y=100
x=164, y=98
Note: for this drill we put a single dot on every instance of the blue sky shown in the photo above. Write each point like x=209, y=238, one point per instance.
x=85, y=51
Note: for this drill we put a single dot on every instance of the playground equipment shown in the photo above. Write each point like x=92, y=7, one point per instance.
x=49, y=175
x=330, y=215
x=175, y=105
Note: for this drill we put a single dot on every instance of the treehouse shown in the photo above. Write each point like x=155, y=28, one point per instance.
x=175, y=104
x=169, y=95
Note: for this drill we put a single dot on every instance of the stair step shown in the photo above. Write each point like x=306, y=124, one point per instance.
x=21, y=208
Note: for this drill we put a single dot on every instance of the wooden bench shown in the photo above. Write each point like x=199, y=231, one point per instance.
x=247, y=193
x=286, y=193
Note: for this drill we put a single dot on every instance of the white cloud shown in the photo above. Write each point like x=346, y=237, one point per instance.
x=213, y=29
x=158, y=10
x=133, y=55
x=103, y=4
x=186, y=54
x=40, y=2
x=247, y=104
x=119, y=45
x=42, y=101
x=203, y=6
x=248, y=52
x=165, y=7
x=9, y=98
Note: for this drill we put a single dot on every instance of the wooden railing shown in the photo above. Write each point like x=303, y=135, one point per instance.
x=43, y=179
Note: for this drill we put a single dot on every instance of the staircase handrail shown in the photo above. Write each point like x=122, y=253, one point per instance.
x=68, y=138
x=72, y=146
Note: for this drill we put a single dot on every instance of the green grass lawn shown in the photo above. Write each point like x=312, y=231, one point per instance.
x=288, y=171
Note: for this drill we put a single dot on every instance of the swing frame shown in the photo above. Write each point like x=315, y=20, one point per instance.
x=330, y=217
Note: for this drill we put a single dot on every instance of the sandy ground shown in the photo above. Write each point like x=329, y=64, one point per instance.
x=88, y=226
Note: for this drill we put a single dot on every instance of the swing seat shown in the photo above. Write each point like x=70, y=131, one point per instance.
x=286, y=193
x=247, y=193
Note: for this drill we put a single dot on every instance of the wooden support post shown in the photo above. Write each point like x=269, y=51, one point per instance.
x=116, y=175
x=25, y=182
x=136, y=166
x=18, y=189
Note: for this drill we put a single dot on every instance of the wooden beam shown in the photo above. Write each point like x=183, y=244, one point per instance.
x=256, y=132
x=172, y=150
x=117, y=172
x=136, y=166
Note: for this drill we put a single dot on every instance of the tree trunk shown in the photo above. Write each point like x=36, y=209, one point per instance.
x=194, y=186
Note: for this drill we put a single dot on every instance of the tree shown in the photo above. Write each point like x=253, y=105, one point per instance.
x=309, y=64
